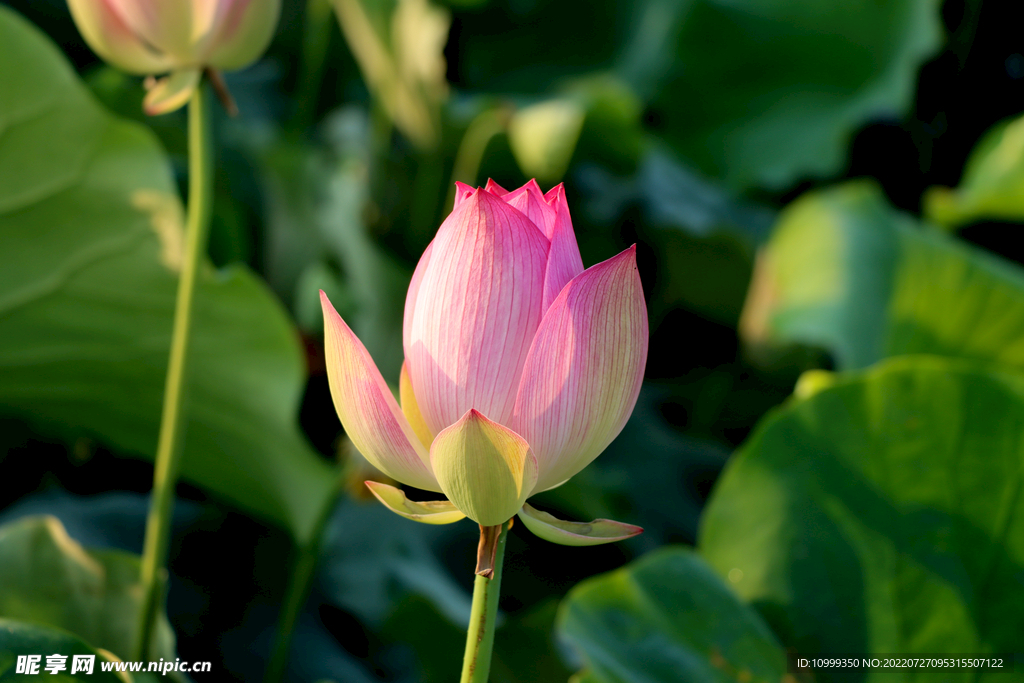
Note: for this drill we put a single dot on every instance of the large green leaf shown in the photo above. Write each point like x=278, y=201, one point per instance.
x=764, y=92
x=883, y=514
x=47, y=578
x=17, y=638
x=667, y=617
x=993, y=181
x=845, y=271
x=92, y=234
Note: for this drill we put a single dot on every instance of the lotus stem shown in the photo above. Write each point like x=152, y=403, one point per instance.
x=169, y=443
x=476, y=665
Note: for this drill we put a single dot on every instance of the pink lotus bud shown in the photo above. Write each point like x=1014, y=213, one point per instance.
x=179, y=36
x=520, y=366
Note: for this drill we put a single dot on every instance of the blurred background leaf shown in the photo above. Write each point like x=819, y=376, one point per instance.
x=48, y=578
x=766, y=92
x=668, y=617
x=19, y=638
x=845, y=271
x=882, y=515
x=992, y=183
x=373, y=559
x=93, y=235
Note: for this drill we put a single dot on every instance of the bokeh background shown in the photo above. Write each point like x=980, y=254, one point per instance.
x=687, y=127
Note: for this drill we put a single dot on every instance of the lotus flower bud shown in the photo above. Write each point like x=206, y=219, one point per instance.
x=179, y=37
x=520, y=366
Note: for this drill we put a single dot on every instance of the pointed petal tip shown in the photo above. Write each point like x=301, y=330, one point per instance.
x=628, y=255
x=552, y=195
x=597, y=532
x=494, y=188
x=462, y=192
x=474, y=417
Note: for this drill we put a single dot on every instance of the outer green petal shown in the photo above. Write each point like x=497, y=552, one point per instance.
x=429, y=512
x=486, y=469
x=171, y=92
x=555, y=530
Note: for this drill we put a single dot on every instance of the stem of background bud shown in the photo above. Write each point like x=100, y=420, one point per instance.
x=470, y=155
x=297, y=591
x=169, y=443
x=476, y=664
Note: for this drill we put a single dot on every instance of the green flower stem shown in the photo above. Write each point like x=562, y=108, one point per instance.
x=296, y=593
x=476, y=664
x=169, y=444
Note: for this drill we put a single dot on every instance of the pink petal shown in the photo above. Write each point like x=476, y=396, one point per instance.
x=584, y=369
x=410, y=299
x=367, y=408
x=530, y=201
x=495, y=189
x=564, y=261
x=477, y=308
x=462, y=190
x=111, y=35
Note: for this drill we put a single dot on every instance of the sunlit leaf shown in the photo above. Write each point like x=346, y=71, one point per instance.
x=992, y=185
x=19, y=638
x=47, y=578
x=845, y=271
x=883, y=515
x=92, y=233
